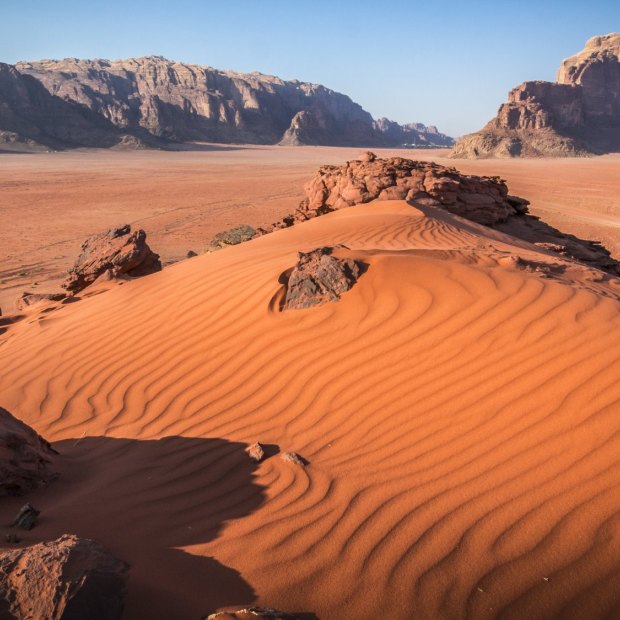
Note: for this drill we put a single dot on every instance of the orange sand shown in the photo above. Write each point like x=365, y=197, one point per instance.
x=459, y=413
x=49, y=203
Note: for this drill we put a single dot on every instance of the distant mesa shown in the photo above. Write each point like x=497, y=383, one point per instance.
x=577, y=115
x=154, y=102
x=116, y=252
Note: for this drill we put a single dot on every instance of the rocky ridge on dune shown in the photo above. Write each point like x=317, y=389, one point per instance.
x=481, y=199
x=178, y=102
x=579, y=114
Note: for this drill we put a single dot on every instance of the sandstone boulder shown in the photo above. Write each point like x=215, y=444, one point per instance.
x=26, y=459
x=117, y=251
x=318, y=278
x=69, y=578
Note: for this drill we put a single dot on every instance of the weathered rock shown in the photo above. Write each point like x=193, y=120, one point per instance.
x=118, y=251
x=27, y=517
x=191, y=254
x=159, y=99
x=29, y=299
x=482, y=199
x=256, y=452
x=318, y=278
x=232, y=236
x=577, y=115
x=67, y=578
x=26, y=459
x=253, y=613
x=292, y=457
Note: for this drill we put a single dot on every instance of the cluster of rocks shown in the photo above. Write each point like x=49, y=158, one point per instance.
x=257, y=453
x=116, y=252
x=69, y=577
x=481, y=199
x=579, y=114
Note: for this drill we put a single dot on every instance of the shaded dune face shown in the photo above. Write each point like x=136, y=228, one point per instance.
x=457, y=408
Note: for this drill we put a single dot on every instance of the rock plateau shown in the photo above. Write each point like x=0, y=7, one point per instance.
x=579, y=114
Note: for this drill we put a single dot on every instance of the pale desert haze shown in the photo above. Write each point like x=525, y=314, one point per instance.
x=285, y=336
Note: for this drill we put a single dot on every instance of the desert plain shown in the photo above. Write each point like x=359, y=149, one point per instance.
x=458, y=414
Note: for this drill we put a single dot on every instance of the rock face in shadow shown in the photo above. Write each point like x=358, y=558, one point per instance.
x=26, y=459
x=117, y=252
x=31, y=118
x=181, y=102
x=68, y=578
x=579, y=114
x=318, y=278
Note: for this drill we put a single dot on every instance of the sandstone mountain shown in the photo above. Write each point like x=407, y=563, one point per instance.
x=31, y=118
x=158, y=101
x=579, y=114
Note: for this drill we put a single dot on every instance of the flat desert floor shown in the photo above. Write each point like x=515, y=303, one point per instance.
x=458, y=411
x=51, y=202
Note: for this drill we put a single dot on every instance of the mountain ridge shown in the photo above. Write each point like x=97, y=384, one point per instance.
x=159, y=102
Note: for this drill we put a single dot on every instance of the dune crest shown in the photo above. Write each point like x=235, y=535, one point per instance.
x=457, y=409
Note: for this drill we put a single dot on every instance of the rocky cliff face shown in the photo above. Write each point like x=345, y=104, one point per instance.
x=180, y=102
x=32, y=118
x=577, y=115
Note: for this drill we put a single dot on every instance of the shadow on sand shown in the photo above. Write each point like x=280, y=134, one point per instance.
x=153, y=504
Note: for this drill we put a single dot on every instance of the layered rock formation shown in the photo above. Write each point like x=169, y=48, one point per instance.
x=484, y=200
x=116, y=252
x=579, y=114
x=33, y=118
x=66, y=578
x=171, y=101
x=26, y=459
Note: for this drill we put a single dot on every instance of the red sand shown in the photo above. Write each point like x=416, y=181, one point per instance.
x=459, y=415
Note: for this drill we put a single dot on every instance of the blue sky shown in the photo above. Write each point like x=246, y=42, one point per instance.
x=447, y=63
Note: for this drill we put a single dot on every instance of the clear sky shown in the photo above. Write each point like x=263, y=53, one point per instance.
x=448, y=63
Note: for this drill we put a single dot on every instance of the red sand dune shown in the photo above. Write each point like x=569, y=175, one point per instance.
x=459, y=414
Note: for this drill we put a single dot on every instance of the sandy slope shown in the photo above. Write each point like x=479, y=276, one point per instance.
x=459, y=412
x=50, y=202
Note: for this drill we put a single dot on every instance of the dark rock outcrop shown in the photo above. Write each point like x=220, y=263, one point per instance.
x=26, y=459
x=173, y=101
x=117, y=252
x=319, y=277
x=232, y=236
x=67, y=578
x=27, y=517
x=579, y=114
